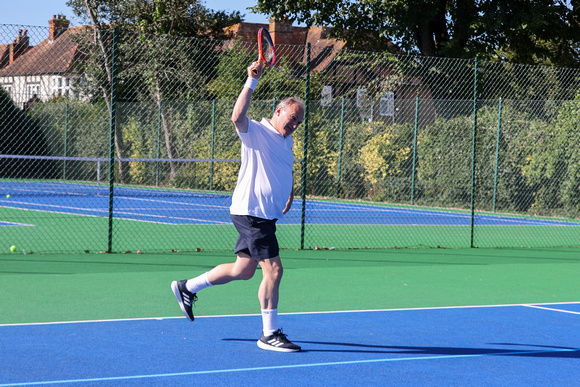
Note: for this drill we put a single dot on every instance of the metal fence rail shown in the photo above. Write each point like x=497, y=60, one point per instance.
x=396, y=150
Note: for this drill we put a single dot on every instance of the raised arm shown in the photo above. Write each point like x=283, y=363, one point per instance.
x=239, y=115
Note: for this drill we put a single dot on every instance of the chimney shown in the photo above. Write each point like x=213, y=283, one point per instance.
x=281, y=31
x=19, y=46
x=57, y=25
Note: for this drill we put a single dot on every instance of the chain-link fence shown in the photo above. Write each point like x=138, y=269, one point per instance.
x=123, y=142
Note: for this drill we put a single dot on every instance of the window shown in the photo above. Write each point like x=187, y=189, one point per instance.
x=361, y=98
x=326, y=96
x=387, y=105
x=61, y=87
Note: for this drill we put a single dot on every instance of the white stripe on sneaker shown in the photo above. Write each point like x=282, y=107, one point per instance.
x=275, y=343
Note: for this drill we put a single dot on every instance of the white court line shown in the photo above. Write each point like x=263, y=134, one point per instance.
x=350, y=207
x=8, y=224
x=298, y=366
x=506, y=218
x=290, y=366
x=193, y=204
x=105, y=211
x=552, y=309
x=293, y=313
x=52, y=212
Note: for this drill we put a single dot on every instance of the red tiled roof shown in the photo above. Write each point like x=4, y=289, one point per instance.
x=4, y=53
x=324, y=49
x=48, y=57
x=57, y=56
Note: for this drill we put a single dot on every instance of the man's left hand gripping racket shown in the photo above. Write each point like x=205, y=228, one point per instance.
x=266, y=53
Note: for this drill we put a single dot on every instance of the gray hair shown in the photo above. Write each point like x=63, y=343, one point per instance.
x=291, y=101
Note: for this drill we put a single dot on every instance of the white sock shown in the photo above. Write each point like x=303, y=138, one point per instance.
x=198, y=283
x=270, y=321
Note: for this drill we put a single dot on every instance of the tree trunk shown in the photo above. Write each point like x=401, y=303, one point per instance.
x=166, y=123
x=106, y=88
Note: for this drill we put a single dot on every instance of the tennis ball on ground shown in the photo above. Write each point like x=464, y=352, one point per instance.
x=7, y=196
x=13, y=248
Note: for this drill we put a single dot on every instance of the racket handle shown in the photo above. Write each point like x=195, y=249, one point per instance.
x=255, y=70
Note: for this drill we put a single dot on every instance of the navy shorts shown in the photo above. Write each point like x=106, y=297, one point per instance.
x=257, y=237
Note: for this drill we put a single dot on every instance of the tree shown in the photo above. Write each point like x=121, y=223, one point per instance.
x=22, y=135
x=155, y=66
x=543, y=31
x=553, y=165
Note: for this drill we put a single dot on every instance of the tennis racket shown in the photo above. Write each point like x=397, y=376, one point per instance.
x=266, y=53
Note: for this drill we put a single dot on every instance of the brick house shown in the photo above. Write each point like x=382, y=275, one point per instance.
x=43, y=71
x=290, y=41
x=344, y=79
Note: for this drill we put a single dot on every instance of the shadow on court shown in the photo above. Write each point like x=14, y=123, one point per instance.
x=340, y=347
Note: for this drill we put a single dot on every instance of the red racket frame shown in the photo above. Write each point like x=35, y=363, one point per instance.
x=261, y=57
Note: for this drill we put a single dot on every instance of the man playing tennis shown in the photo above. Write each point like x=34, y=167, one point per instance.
x=262, y=195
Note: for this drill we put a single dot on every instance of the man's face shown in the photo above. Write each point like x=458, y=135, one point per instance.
x=287, y=120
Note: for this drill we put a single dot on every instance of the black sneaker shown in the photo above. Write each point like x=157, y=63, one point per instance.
x=277, y=342
x=184, y=297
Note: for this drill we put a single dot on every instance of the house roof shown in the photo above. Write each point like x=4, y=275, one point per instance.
x=48, y=57
x=4, y=52
x=324, y=49
x=57, y=56
x=247, y=32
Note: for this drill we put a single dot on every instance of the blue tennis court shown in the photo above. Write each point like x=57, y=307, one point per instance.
x=185, y=207
x=488, y=345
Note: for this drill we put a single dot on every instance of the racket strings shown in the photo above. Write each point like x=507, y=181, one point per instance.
x=267, y=51
x=269, y=55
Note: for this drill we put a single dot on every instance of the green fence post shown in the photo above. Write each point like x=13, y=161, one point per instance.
x=497, y=154
x=414, y=151
x=159, y=124
x=305, y=156
x=65, y=150
x=112, y=136
x=473, y=150
x=340, y=142
x=211, y=151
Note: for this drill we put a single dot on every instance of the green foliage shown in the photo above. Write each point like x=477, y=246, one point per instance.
x=517, y=128
x=141, y=146
x=161, y=17
x=444, y=156
x=322, y=151
x=176, y=105
x=385, y=159
x=333, y=168
x=232, y=71
x=83, y=127
x=446, y=152
x=276, y=83
x=22, y=135
x=553, y=165
x=538, y=166
x=520, y=32
x=155, y=63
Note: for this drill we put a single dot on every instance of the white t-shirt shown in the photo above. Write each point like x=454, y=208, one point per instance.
x=265, y=177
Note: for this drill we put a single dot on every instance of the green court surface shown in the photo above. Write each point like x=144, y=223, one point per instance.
x=49, y=288
x=40, y=231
